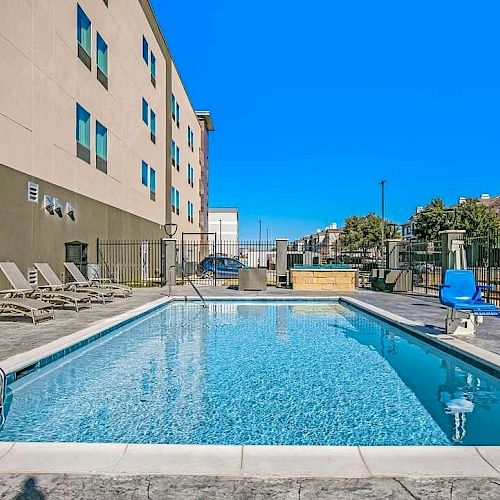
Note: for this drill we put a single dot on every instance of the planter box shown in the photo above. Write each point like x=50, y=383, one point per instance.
x=252, y=279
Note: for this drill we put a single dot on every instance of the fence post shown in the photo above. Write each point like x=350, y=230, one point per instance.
x=281, y=260
x=392, y=254
x=452, y=249
x=169, y=261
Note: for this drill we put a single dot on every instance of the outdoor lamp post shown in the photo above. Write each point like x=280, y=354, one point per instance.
x=170, y=229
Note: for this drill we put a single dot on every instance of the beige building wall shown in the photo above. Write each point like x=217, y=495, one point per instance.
x=42, y=79
x=179, y=178
x=29, y=233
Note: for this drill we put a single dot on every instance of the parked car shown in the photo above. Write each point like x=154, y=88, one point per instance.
x=223, y=267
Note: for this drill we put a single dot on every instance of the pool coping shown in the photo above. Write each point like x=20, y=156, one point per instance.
x=248, y=460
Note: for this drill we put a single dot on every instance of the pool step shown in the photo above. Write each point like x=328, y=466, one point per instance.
x=3, y=396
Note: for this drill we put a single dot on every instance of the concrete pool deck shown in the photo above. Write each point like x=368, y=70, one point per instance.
x=363, y=471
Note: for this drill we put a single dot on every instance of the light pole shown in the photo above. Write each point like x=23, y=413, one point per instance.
x=382, y=224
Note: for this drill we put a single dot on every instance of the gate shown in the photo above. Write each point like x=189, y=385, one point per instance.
x=210, y=261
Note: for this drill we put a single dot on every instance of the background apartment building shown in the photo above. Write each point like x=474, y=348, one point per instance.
x=90, y=102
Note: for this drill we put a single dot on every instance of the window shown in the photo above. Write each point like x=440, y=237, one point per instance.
x=172, y=153
x=145, y=50
x=172, y=105
x=175, y=200
x=145, y=111
x=190, y=175
x=83, y=37
x=190, y=212
x=152, y=126
x=153, y=69
x=177, y=157
x=102, y=61
x=152, y=184
x=172, y=198
x=101, y=147
x=190, y=138
x=82, y=133
x=177, y=113
x=144, y=174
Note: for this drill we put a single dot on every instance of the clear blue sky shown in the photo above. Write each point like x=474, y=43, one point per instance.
x=315, y=102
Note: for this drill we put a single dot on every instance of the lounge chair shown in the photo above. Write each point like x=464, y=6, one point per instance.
x=21, y=287
x=107, y=282
x=80, y=279
x=31, y=308
x=462, y=296
x=54, y=283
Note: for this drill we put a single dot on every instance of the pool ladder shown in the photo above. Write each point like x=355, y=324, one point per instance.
x=3, y=396
x=181, y=269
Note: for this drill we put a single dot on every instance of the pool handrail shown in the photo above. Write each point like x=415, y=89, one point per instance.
x=181, y=269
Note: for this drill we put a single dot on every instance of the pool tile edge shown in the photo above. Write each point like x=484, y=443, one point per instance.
x=70, y=342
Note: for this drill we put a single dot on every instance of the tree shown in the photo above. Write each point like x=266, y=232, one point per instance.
x=364, y=232
x=476, y=218
x=433, y=218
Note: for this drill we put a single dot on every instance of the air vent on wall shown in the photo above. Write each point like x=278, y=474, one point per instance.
x=32, y=276
x=33, y=192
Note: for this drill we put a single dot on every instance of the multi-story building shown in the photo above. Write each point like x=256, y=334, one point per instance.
x=91, y=104
x=223, y=222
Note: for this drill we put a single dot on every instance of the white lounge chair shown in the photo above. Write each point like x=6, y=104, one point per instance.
x=21, y=287
x=54, y=283
x=80, y=279
x=31, y=308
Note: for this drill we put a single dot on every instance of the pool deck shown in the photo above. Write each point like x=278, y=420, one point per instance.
x=72, y=470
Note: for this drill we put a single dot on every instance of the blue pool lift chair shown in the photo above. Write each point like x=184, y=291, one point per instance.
x=466, y=307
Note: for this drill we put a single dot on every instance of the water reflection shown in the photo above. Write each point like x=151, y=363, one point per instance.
x=461, y=393
x=461, y=390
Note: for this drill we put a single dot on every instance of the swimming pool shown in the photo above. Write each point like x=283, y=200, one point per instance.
x=257, y=372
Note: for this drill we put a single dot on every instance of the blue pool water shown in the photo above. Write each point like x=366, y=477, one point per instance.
x=257, y=373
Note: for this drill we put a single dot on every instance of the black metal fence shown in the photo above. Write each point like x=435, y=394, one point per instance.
x=210, y=261
x=308, y=254
x=137, y=263
x=483, y=257
x=425, y=260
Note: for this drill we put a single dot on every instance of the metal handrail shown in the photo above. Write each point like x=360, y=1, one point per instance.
x=181, y=269
x=3, y=396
